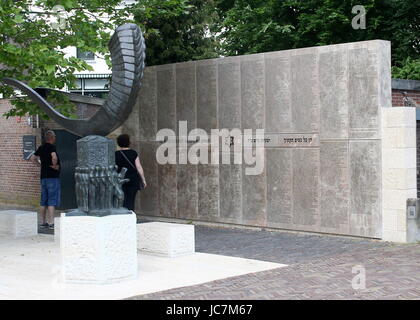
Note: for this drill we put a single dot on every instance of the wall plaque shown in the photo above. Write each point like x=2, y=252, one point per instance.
x=29, y=146
x=280, y=140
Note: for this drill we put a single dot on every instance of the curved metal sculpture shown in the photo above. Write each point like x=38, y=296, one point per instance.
x=127, y=49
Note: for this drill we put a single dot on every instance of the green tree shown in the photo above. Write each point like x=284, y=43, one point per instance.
x=177, y=30
x=251, y=26
x=410, y=69
x=31, y=43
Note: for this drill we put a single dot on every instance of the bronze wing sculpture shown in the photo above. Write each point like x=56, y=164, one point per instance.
x=127, y=49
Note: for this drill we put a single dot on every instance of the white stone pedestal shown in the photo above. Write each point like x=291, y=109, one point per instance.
x=399, y=179
x=18, y=223
x=57, y=229
x=166, y=239
x=98, y=250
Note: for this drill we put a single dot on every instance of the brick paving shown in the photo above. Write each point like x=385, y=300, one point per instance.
x=280, y=247
x=319, y=267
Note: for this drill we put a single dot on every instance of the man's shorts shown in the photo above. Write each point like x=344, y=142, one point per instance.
x=50, y=192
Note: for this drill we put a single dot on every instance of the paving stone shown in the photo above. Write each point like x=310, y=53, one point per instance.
x=320, y=267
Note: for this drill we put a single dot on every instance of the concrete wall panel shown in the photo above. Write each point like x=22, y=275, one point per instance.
x=333, y=94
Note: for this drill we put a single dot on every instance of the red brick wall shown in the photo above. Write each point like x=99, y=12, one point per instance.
x=19, y=179
x=397, y=97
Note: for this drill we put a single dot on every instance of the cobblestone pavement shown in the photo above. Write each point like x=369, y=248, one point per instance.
x=320, y=267
x=280, y=247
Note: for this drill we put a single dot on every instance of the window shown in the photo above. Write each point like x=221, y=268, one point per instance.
x=93, y=85
x=85, y=55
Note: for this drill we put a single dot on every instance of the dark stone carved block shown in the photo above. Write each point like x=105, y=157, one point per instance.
x=95, y=151
x=98, y=184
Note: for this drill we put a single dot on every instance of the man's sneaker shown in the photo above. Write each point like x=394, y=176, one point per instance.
x=45, y=225
x=51, y=226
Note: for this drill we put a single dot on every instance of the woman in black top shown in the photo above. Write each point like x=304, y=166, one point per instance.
x=128, y=158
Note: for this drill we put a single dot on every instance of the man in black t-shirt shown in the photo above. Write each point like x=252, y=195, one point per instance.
x=47, y=155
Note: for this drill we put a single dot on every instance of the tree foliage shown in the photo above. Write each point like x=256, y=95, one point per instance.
x=251, y=26
x=183, y=30
x=410, y=69
x=31, y=44
x=177, y=30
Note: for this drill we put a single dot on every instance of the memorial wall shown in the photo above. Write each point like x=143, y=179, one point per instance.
x=321, y=111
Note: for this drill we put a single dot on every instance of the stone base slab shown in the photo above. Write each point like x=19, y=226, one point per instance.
x=166, y=239
x=57, y=229
x=18, y=223
x=98, y=250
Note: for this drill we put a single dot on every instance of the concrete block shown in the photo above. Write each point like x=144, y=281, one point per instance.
x=167, y=194
x=148, y=105
x=364, y=117
x=186, y=94
x=230, y=184
x=306, y=165
x=166, y=239
x=385, y=87
x=279, y=187
x=278, y=109
x=334, y=186
x=187, y=191
x=206, y=75
x=333, y=82
x=149, y=202
x=229, y=93
x=98, y=250
x=254, y=197
x=252, y=92
x=208, y=191
x=166, y=97
x=305, y=90
x=18, y=223
x=365, y=188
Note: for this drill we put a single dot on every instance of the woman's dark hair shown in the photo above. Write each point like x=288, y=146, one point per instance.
x=123, y=140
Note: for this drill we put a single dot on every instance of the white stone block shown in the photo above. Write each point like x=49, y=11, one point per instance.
x=166, y=239
x=57, y=229
x=397, y=117
x=402, y=221
x=397, y=199
x=399, y=158
x=98, y=250
x=402, y=179
x=394, y=236
x=18, y=223
x=390, y=219
x=399, y=138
